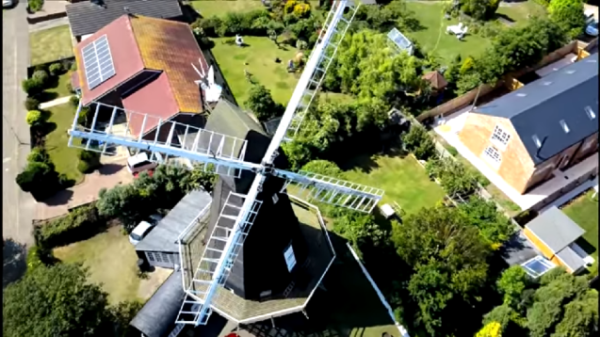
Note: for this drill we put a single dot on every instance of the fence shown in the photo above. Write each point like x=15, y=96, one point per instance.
x=468, y=98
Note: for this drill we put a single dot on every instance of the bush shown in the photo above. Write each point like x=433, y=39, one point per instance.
x=31, y=103
x=40, y=179
x=82, y=223
x=419, y=142
x=41, y=76
x=452, y=150
x=74, y=100
x=56, y=69
x=88, y=161
x=35, y=5
x=39, y=155
x=301, y=44
x=39, y=257
x=70, y=87
x=32, y=86
x=34, y=118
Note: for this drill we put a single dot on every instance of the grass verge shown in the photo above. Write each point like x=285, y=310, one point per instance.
x=584, y=211
x=64, y=157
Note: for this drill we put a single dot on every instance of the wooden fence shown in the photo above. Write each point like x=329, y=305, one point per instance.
x=468, y=98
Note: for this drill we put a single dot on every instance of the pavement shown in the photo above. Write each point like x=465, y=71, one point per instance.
x=55, y=102
x=17, y=206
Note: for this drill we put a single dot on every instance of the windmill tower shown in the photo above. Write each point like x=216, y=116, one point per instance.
x=254, y=178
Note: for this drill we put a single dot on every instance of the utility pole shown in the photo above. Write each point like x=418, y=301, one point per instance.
x=476, y=97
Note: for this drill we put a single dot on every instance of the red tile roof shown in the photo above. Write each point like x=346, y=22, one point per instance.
x=155, y=99
x=125, y=55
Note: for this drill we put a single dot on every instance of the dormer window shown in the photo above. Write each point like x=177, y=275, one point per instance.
x=500, y=137
x=590, y=112
x=564, y=125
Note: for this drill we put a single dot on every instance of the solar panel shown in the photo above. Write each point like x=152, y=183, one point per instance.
x=400, y=40
x=97, y=62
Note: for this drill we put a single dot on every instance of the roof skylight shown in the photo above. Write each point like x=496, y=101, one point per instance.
x=590, y=112
x=564, y=125
x=536, y=140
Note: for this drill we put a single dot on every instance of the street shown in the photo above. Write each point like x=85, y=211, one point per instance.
x=17, y=206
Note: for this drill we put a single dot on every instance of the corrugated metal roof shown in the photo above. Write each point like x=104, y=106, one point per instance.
x=88, y=18
x=157, y=316
x=538, y=108
x=571, y=259
x=164, y=235
x=170, y=46
x=555, y=229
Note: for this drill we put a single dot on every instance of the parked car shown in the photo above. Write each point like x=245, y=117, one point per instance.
x=8, y=3
x=139, y=163
x=591, y=28
x=139, y=232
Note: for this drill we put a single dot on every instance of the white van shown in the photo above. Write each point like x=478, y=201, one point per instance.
x=140, y=163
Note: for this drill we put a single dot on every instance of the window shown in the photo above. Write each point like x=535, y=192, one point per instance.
x=290, y=259
x=500, y=137
x=544, y=169
x=151, y=257
x=493, y=156
x=537, y=266
x=275, y=198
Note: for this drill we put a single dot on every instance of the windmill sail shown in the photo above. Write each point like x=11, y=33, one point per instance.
x=228, y=153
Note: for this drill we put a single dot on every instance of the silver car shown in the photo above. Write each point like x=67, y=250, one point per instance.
x=7, y=3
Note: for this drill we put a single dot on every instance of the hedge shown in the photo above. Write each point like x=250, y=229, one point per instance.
x=82, y=223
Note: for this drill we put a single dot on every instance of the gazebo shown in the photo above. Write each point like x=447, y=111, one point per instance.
x=436, y=80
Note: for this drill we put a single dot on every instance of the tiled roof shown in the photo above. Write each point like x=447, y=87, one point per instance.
x=86, y=17
x=125, y=56
x=171, y=46
x=436, y=80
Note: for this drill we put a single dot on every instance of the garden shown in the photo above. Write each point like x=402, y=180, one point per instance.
x=50, y=45
x=584, y=211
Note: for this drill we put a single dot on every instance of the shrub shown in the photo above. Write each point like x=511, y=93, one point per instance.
x=419, y=142
x=39, y=257
x=209, y=26
x=41, y=76
x=88, y=161
x=82, y=223
x=301, y=44
x=32, y=86
x=74, y=100
x=56, y=69
x=39, y=155
x=38, y=178
x=35, y=5
x=34, y=117
x=31, y=103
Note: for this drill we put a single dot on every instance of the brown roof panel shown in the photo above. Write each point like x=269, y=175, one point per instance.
x=171, y=46
x=436, y=80
x=125, y=55
x=155, y=99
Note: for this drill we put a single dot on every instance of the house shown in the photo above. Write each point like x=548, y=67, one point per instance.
x=554, y=234
x=144, y=65
x=160, y=248
x=282, y=260
x=88, y=17
x=533, y=133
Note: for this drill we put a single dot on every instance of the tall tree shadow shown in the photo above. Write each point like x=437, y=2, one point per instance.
x=14, y=256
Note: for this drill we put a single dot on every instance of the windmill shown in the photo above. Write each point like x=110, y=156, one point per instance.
x=207, y=83
x=226, y=156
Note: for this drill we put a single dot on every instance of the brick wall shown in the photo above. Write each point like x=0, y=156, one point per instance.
x=516, y=167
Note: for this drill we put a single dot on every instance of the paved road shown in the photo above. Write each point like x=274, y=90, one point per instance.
x=17, y=206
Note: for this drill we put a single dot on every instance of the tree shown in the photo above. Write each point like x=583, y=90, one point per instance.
x=580, y=317
x=454, y=177
x=323, y=167
x=511, y=322
x=479, y=9
x=121, y=314
x=492, y=329
x=261, y=103
x=449, y=261
x=200, y=178
x=568, y=15
x=54, y=301
x=32, y=86
x=40, y=179
x=419, y=142
x=493, y=225
x=512, y=283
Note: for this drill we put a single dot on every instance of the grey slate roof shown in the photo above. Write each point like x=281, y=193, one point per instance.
x=157, y=316
x=87, y=18
x=555, y=229
x=162, y=238
x=537, y=108
x=518, y=250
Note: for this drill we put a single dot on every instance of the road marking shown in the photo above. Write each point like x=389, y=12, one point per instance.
x=5, y=160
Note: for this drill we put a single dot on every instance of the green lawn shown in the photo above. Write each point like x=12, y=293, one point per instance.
x=403, y=180
x=208, y=8
x=64, y=157
x=434, y=38
x=58, y=88
x=50, y=44
x=260, y=55
x=112, y=262
x=518, y=11
x=584, y=211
